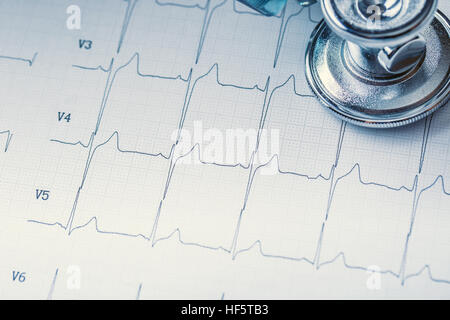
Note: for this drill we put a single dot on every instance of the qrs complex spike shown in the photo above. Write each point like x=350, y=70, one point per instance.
x=8, y=135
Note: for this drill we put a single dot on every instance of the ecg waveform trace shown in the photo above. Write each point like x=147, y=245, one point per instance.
x=330, y=176
x=9, y=136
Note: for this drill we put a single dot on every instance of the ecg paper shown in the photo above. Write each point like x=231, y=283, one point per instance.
x=109, y=187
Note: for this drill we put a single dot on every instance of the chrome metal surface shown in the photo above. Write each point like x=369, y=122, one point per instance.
x=386, y=9
x=356, y=89
x=378, y=23
x=404, y=57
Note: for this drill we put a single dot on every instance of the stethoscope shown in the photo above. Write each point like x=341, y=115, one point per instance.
x=376, y=63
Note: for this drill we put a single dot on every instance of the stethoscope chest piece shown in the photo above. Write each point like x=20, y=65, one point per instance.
x=380, y=63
